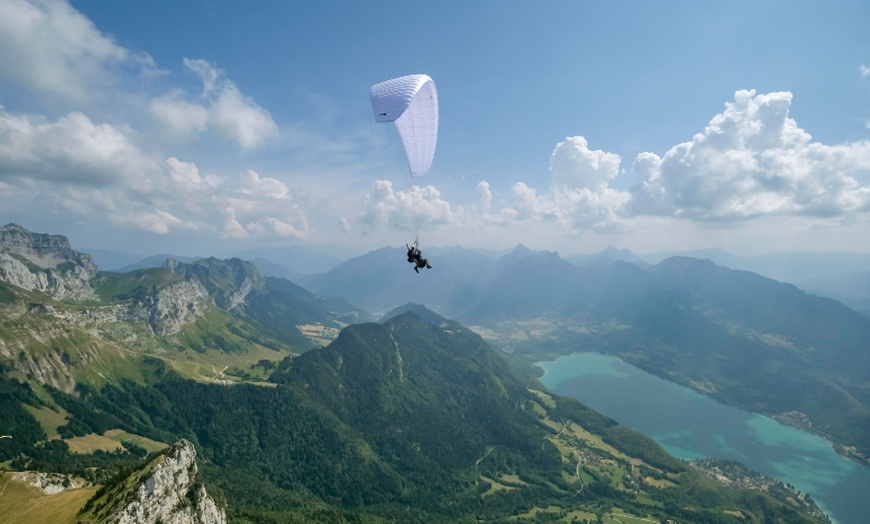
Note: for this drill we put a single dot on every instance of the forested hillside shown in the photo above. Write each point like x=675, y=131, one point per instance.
x=747, y=340
x=300, y=412
x=402, y=421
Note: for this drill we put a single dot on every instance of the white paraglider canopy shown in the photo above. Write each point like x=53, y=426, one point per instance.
x=411, y=103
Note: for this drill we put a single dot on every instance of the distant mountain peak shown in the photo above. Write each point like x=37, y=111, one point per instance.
x=522, y=252
x=621, y=253
x=425, y=314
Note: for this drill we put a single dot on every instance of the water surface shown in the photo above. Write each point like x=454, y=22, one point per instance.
x=689, y=425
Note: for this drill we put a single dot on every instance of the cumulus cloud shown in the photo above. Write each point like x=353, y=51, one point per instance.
x=71, y=149
x=220, y=107
x=752, y=160
x=579, y=196
x=413, y=209
x=483, y=190
x=263, y=206
x=156, y=221
x=271, y=225
x=181, y=118
x=183, y=171
x=573, y=165
x=232, y=228
x=263, y=227
x=96, y=170
x=48, y=47
x=267, y=187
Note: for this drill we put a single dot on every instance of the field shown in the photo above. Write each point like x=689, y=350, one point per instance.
x=111, y=441
x=21, y=503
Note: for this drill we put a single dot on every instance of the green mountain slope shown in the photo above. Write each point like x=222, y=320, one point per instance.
x=62, y=322
x=744, y=339
x=411, y=420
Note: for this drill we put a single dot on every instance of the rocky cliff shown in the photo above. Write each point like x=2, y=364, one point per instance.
x=62, y=322
x=228, y=282
x=46, y=263
x=164, y=491
x=172, y=308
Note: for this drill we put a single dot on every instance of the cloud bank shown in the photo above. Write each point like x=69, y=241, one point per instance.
x=51, y=48
x=220, y=107
x=751, y=161
x=106, y=172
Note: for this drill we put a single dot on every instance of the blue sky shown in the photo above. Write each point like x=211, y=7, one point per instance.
x=212, y=127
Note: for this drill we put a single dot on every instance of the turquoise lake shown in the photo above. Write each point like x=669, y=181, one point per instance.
x=689, y=425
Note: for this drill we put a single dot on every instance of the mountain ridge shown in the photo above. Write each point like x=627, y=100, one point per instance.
x=417, y=411
x=178, y=311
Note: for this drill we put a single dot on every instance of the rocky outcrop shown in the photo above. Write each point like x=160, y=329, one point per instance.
x=228, y=282
x=164, y=491
x=49, y=483
x=171, y=308
x=46, y=263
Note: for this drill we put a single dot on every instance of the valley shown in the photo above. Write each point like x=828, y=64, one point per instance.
x=300, y=408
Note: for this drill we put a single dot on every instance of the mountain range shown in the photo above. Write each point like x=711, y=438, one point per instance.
x=302, y=409
x=747, y=340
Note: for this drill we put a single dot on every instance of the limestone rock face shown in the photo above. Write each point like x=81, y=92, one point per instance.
x=46, y=263
x=49, y=483
x=176, y=306
x=228, y=282
x=169, y=493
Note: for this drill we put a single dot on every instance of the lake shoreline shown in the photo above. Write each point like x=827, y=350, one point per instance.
x=794, y=419
x=691, y=425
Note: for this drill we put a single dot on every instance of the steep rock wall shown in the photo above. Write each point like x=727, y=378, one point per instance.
x=46, y=263
x=166, y=493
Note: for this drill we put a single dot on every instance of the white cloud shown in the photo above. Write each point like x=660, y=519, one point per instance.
x=416, y=208
x=263, y=206
x=579, y=196
x=293, y=222
x=263, y=186
x=183, y=171
x=574, y=165
x=220, y=107
x=96, y=171
x=156, y=221
x=485, y=196
x=751, y=161
x=272, y=225
x=232, y=228
x=237, y=117
x=181, y=118
x=50, y=48
x=71, y=149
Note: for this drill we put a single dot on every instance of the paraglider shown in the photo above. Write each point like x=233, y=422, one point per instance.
x=411, y=104
x=415, y=256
